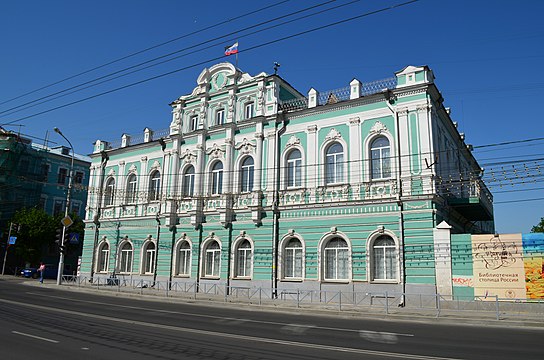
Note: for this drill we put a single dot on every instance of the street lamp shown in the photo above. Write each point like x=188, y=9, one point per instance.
x=68, y=194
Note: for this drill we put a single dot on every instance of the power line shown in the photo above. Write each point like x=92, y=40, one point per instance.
x=216, y=58
x=146, y=50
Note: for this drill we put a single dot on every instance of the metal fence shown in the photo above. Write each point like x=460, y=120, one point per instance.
x=387, y=303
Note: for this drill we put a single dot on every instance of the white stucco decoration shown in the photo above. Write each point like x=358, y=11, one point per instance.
x=293, y=140
x=215, y=151
x=333, y=135
x=245, y=146
x=378, y=128
x=156, y=165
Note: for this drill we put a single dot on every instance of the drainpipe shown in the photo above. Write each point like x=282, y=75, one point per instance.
x=158, y=220
x=199, y=265
x=157, y=216
x=388, y=98
x=275, y=203
x=96, y=218
x=229, y=258
x=173, y=229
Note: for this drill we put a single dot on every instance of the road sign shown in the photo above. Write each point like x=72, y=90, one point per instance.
x=66, y=221
x=12, y=240
x=73, y=238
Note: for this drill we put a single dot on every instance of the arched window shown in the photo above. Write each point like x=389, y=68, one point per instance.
x=217, y=178
x=294, y=168
x=336, y=260
x=109, y=192
x=184, y=259
x=155, y=186
x=384, y=259
x=125, y=260
x=212, y=259
x=189, y=181
x=334, y=171
x=292, y=259
x=131, y=194
x=103, y=257
x=380, y=154
x=149, y=258
x=243, y=259
x=247, y=174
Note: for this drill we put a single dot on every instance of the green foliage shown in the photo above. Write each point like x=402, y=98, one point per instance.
x=539, y=228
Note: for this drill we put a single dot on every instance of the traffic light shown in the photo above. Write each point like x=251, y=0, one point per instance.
x=62, y=249
x=58, y=236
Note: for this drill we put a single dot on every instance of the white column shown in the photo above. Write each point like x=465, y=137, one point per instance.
x=257, y=186
x=312, y=158
x=355, y=151
x=442, y=259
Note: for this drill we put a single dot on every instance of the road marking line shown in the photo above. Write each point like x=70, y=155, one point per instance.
x=35, y=337
x=235, y=336
x=221, y=320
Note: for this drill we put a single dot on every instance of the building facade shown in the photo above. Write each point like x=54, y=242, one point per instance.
x=255, y=184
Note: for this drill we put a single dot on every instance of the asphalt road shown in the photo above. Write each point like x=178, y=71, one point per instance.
x=49, y=323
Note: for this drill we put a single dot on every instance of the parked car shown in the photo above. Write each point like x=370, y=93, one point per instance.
x=49, y=273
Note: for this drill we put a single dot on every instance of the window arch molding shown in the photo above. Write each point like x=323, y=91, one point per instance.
x=148, y=258
x=242, y=102
x=125, y=258
x=103, y=256
x=238, y=178
x=323, y=242
x=327, y=144
x=285, y=156
x=212, y=113
x=248, y=259
x=206, y=256
x=182, y=266
x=368, y=156
x=370, y=256
x=290, y=258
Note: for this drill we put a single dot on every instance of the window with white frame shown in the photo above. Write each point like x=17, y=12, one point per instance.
x=212, y=259
x=380, y=156
x=125, y=259
x=189, y=181
x=131, y=194
x=336, y=260
x=334, y=170
x=217, y=178
x=103, y=257
x=294, y=168
x=247, y=173
x=109, y=192
x=243, y=259
x=76, y=207
x=58, y=207
x=193, y=123
x=220, y=117
x=78, y=178
x=155, y=186
x=183, y=266
x=149, y=258
x=249, y=109
x=292, y=259
x=384, y=259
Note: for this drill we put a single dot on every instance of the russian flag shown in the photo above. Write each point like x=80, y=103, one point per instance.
x=233, y=49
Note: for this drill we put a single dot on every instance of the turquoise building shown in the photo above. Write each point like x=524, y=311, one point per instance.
x=255, y=184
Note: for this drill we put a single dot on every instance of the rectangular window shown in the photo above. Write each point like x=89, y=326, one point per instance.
x=44, y=172
x=193, y=123
x=220, y=117
x=58, y=207
x=76, y=208
x=248, y=110
x=78, y=178
x=63, y=174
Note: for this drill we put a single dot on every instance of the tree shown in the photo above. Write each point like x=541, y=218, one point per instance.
x=539, y=228
x=36, y=231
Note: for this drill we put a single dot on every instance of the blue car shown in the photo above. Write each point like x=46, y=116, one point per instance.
x=32, y=272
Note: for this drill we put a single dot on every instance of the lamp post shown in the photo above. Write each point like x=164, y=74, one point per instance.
x=68, y=194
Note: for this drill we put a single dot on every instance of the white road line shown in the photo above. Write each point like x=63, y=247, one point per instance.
x=237, y=337
x=35, y=337
x=218, y=319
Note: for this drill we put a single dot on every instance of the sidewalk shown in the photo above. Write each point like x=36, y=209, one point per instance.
x=407, y=314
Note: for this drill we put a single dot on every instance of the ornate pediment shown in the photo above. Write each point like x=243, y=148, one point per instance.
x=111, y=172
x=245, y=147
x=215, y=151
x=132, y=169
x=333, y=135
x=188, y=156
x=293, y=140
x=378, y=128
x=156, y=165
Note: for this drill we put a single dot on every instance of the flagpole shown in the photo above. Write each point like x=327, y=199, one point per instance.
x=236, y=57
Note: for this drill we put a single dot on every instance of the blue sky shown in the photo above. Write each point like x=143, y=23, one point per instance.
x=486, y=55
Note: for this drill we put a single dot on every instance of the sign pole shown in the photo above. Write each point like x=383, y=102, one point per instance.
x=6, y=251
